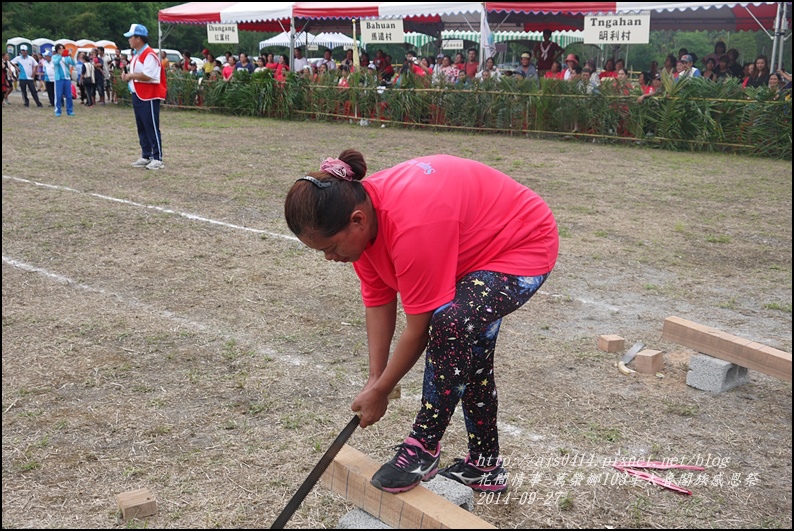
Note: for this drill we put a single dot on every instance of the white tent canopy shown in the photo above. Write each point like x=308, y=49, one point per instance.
x=333, y=40
x=328, y=40
x=283, y=39
x=563, y=38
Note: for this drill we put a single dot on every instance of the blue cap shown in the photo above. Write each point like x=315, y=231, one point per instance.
x=137, y=29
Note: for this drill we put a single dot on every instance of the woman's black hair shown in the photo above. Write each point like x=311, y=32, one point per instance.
x=312, y=206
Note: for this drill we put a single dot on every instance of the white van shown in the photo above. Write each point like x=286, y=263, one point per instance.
x=174, y=56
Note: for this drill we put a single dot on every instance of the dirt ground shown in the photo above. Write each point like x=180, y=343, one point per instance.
x=164, y=330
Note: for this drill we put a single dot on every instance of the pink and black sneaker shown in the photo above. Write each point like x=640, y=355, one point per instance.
x=411, y=465
x=481, y=479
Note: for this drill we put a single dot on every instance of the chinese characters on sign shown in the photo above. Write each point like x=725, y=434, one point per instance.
x=452, y=44
x=382, y=31
x=630, y=28
x=225, y=33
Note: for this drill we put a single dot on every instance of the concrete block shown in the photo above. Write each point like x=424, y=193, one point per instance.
x=611, y=343
x=714, y=375
x=360, y=519
x=649, y=361
x=457, y=493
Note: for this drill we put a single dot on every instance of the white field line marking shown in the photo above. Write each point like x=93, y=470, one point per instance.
x=185, y=322
x=511, y=430
x=151, y=207
x=216, y=222
x=132, y=303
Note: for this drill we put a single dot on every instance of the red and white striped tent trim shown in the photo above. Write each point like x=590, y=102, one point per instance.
x=277, y=16
x=526, y=16
x=683, y=16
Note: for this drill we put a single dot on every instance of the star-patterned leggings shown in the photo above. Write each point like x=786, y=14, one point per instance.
x=459, y=359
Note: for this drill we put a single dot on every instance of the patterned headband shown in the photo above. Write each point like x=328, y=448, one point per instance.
x=337, y=168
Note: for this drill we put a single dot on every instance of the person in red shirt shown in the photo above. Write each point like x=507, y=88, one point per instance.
x=555, y=72
x=459, y=62
x=463, y=245
x=228, y=71
x=472, y=65
x=185, y=64
x=282, y=67
x=410, y=66
x=270, y=62
x=546, y=53
x=609, y=70
x=654, y=87
x=386, y=73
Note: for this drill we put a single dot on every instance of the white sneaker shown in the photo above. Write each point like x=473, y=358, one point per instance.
x=155, y=165
x=141, y=163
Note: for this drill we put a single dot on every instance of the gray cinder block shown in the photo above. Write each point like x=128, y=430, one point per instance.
x=360, y=519
x=457, y=493
x=715, y=375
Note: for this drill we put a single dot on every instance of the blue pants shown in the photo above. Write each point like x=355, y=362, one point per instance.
x=459, y=359
x=63, y=89
x=147, y=118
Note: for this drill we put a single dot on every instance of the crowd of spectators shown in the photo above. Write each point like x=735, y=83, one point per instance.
x=92, y=76
x=547, y=60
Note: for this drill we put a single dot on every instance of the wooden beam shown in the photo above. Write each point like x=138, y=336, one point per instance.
x=419, y=508
x=728, y=347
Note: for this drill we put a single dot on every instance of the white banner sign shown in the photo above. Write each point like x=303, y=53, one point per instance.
x=630, y=28
x=226, y=33
x=386, y=31
x=452, y=44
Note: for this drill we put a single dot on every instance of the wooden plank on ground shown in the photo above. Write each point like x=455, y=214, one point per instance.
x=419, y=508
x=728, y=347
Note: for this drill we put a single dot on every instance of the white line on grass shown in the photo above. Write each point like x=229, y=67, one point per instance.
x=179, y=319
x=512, y=430
x=168, y=211
x=183, y=321
x=228, y=225
x=159, y=209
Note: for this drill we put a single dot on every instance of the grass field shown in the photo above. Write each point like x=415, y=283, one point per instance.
x=165, y=330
